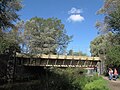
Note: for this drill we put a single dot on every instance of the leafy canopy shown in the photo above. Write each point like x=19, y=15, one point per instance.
x=113, y=55
x=8, y=15
x=45, y=36
x=111, y=23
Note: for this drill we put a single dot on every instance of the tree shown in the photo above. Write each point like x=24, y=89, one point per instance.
x=111, y=23
x=100, y=44
x=97, y=46
x=8, y=15
x=10, y=40
x=45, y=36
x=113, y=56
x=71, y=52
x=111, y=9
x=114, y=20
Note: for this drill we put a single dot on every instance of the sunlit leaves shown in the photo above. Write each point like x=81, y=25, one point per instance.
x=45, y=35
x=100, y=44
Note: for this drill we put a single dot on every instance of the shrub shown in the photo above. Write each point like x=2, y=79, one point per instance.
x=59, y=79
x=99, y=84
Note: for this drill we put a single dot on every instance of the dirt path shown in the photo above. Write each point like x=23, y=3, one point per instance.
x=113, y=85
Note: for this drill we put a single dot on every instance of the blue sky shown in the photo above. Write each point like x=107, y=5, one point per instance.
x=78, y=16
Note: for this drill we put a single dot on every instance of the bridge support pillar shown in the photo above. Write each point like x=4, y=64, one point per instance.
x=100, y=67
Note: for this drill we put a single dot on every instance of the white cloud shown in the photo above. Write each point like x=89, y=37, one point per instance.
x=75, y=11
x=75, y=15
x=75, y=18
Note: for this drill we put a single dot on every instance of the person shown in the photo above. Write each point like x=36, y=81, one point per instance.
x=115, y=74
x=110, y=73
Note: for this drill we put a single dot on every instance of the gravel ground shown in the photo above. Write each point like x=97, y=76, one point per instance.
x=113, y=85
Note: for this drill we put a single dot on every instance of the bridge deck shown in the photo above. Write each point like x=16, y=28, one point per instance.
x=66, y=57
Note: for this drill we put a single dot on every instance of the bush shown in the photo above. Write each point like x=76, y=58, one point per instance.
x=99, y=84
x=59, y=79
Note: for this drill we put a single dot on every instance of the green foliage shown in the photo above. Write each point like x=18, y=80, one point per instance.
x=8, y=9
x=76, y=77
x=111, y=23
x=111, y=9
x=45, y=36
x=55, y=79
x=99, y=45
x=106, y=47
x=99, y=84
x=79, y=83
x=71, y=52
x=114, y=20
x=113, y=56
x=9, y=41
x=8, y=16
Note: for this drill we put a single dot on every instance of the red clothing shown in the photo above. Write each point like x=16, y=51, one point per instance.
x=115, y=72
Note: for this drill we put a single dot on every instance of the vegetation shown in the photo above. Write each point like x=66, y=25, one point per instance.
x=59, y=79
x=108, y=41
x=111, y=9
x=8, y=16
x=39, y=35
x=9, y=42
x=8, y=9
x=99, y=84
x=113, y=55
x=98, y=46
x=8, y=34
x=44, y=36
x=71, y=52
